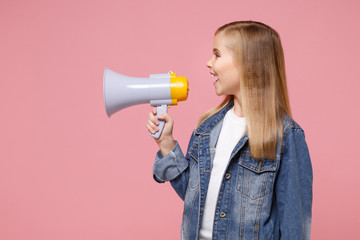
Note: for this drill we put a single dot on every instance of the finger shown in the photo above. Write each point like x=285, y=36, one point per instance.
x=153, y=118
x=152, y=125
x=150, y=129
x=154, y=110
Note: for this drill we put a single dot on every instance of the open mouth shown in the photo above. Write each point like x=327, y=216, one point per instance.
x=214, y=75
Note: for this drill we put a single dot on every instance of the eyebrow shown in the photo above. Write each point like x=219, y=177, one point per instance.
x=216, y=50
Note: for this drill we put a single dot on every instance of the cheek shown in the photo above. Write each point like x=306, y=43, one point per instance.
x=220, y=69
x=233, y=77
x=231, y=72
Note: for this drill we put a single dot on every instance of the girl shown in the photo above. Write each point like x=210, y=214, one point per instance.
x=247, y=172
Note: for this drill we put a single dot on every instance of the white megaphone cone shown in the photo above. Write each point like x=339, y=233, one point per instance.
x=160, y=90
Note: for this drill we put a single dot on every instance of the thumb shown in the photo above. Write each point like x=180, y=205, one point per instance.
x=164, y=116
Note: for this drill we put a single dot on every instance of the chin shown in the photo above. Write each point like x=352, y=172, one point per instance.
x=218, y=93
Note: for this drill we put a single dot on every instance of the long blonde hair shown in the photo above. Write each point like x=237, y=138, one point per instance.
x=257, y=50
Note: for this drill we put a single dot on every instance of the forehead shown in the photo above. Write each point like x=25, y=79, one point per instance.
x=220, y=42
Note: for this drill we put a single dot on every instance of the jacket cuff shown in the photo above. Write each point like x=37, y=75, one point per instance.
x=168, y=167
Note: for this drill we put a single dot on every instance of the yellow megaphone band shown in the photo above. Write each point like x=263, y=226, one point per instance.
x=179, y=88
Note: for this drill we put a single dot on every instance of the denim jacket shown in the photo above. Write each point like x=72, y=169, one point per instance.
x=267, y=199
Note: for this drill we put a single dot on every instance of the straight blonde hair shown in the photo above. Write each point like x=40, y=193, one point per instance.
x=258, y=52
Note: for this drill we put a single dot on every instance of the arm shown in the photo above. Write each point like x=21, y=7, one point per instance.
x=293, y=188
x=170, y=162
x=170, y=166
x=173, y=167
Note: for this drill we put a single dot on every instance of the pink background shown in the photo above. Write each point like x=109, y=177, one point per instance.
x=67, y=171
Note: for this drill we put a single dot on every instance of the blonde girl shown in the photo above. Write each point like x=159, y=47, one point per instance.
x=247, y=171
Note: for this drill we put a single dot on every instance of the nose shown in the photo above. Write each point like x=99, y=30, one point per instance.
x=209, y=63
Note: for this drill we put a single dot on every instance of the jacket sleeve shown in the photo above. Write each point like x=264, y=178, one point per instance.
x=293, y=188
x=173, y=167
x=168, y=167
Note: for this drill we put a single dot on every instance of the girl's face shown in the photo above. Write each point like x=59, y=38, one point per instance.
x=222, y=67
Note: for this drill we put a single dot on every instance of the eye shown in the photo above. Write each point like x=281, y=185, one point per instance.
x=216, y=55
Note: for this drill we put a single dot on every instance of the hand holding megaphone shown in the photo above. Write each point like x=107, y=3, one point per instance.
x=160, y=90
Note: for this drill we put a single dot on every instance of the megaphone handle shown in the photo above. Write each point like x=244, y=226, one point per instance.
x=160, y=110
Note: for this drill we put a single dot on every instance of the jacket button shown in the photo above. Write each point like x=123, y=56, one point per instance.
x=227, y=176
x=222, y=214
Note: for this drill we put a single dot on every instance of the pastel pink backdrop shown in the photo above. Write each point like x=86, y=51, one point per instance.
x=67, y=171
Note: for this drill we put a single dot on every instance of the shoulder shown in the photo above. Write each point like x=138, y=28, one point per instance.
x=293, y=134
x=289, y=124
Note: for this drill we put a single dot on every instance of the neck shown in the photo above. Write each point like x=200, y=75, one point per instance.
x=237, y=107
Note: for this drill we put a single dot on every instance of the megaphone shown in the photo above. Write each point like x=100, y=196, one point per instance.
x=160, y=90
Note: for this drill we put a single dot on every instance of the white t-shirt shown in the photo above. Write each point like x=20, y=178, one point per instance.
x=231, y=131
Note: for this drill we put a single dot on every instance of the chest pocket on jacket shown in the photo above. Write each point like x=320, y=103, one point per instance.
x=194, y=165
x=255, y=178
